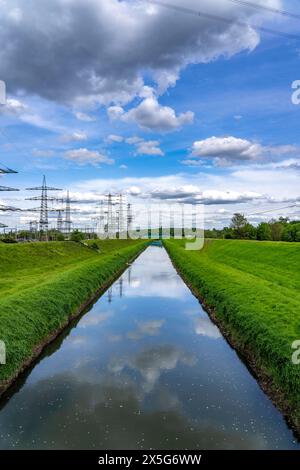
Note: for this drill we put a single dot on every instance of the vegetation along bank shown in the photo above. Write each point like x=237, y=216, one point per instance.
x=45, y=285
x=252, y=290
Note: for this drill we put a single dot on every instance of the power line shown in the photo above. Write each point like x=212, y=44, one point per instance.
x=272, y=210
x=255, y=213
x=8, y=208
x=5, y=188
x=265, y=8
x=222, y=19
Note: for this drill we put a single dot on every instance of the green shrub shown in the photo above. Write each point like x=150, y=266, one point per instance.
x=8, y=240
x=77, y=236
x=94, y=246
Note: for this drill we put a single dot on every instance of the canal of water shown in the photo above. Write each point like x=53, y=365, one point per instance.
x=143, y=368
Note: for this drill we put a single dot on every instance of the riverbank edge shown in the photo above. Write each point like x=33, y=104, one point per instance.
x=249, y=358
x=38, y=349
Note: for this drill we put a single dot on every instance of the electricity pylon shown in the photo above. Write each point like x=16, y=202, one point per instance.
x=110, y=218
x=59, y=220
x=121, y=224
x=100, y=218
x=68, y=221
x=33, y=226
x=129, y=218
x=44, y=198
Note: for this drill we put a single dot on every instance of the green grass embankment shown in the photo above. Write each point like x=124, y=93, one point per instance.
x=44, y=285
x=253, y=289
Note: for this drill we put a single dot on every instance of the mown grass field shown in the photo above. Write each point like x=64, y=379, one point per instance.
x=254, y=288
x=43, y=284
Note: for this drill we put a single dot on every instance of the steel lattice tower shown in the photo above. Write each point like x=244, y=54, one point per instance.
x=59, y=221
x=68, y=222
x=44, y=198
x=33, y=226
x=101, y=218
x=129, y=218
x=100, y=223
x=120, y=228
x=44, y=206
x=122, y=218
x=109, y=215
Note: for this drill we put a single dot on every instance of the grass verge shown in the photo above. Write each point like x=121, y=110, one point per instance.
x=45, y=286
x=252, y=290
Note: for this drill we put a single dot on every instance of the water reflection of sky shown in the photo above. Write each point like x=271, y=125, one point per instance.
x=156, y=280
x=145, y=367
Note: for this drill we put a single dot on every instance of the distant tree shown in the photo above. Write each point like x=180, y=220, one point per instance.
x=212, y=233
x=276, y=230
x=291, y=233
x=77, y=236
x=264, y=231
x=238, y=223
x=250, y=232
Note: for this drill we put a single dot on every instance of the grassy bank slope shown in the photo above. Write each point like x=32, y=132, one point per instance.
x=44, y=284
x=254, y=289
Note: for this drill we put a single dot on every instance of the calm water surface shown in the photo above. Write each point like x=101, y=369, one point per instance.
x=144, y=368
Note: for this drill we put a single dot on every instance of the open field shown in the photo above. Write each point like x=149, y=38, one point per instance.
x=43, y=285
x=253, y=289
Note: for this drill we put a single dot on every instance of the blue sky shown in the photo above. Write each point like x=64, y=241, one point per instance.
x=209, y=106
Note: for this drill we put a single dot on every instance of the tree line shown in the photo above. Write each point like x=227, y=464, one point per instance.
x=281, y=229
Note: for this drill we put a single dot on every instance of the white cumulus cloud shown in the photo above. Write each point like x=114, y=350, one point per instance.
x=114, y=138
x=151, y=115
x=13, y=107
x=150, y=147
x=74, y=137
x=224, y=151
x=226, y=147
x=84, y=156
x=84, y=117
